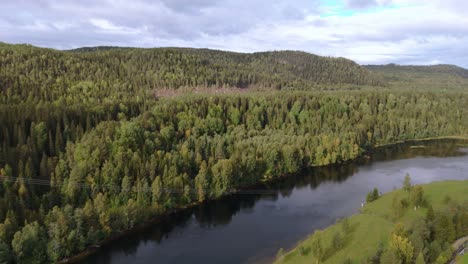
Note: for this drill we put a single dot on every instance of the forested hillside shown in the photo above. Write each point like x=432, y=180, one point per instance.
x=195, y=148
x=436, y=77
x=29, y=73
x=87, y=150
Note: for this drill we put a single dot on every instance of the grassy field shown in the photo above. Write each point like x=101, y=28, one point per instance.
x=464, y=259
x=374, y=225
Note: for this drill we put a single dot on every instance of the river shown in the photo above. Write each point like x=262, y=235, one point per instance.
x=250, y=227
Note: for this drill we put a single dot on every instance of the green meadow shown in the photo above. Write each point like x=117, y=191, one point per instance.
x=363, y=233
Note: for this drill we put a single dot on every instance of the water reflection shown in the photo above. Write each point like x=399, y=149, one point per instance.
x=251, y=226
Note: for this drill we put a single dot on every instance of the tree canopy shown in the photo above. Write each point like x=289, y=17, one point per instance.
x=87, y=150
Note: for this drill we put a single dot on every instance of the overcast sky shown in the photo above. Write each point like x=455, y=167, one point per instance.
x=367, y=31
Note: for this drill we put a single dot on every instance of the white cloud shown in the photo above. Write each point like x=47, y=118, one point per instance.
x=368, y=31
x=104, y=24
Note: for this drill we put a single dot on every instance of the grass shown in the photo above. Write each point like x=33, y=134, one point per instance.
x=463, y=259
x=374, y=225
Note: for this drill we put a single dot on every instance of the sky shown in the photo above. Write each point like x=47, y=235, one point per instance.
x=367, y=31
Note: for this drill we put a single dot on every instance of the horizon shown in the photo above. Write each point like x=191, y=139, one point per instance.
x=238, y=52
x=370, y=32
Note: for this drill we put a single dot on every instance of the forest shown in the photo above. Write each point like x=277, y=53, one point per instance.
x=87, y=150
x=435, y=77
x=31, y=74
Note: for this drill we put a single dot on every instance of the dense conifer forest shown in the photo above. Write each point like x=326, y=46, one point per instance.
x=434, y=77
x=87, y=150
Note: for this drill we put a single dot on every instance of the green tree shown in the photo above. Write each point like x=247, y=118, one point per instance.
x=29, y=244
x=372, y=196
x=390, y=257
x=40, y=135
x=430, y=214
x=317, y=247
x=417, y=196
x=8, y=228
x=407, y=183
x=375, y=193
x=402, y=248
x=444, y=257
x=5, y=253
x=222, y=176
x=434, y=251
x=337, y=241
x=399, y=230
x=369, y=197
x=125, y=188
x=157, y=190
x=420, y=259
x=444, y=230
x=201, y=182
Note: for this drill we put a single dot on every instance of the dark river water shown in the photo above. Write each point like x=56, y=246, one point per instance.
x=251, y=226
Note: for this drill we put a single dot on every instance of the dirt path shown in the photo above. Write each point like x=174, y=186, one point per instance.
x=459, y=242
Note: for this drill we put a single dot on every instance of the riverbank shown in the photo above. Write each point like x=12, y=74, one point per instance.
x=374, y=226
x=459, y=137
x=460, y=255
x=157, y=219
x=154, y=220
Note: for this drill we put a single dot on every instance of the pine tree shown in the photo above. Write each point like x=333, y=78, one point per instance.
x=420, y=259
x=407, y=183
x=201, y=182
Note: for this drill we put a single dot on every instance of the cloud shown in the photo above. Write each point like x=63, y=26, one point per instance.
x=368, y=31
x=367, y=3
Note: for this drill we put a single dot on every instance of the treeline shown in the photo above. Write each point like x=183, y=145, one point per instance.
x=29, y=131
x=434, y=69
x=31, y=74
x=435, y=77
x=184, y=150
x=50, y=97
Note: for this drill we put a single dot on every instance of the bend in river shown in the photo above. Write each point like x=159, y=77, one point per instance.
x=250, y=227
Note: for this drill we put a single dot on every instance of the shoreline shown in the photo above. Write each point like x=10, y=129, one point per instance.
x=457, y=137
x=90, y=250
x=367, y=213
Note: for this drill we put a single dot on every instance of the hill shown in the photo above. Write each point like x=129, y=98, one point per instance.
x=97, y=48
x=435, y=77
x=447, y=69
x=28, y=72
x=82, y=135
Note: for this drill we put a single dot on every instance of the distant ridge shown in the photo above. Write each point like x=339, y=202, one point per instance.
x=116, y=70
x=97, y=48
x=439, y=68
x=430, y=77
